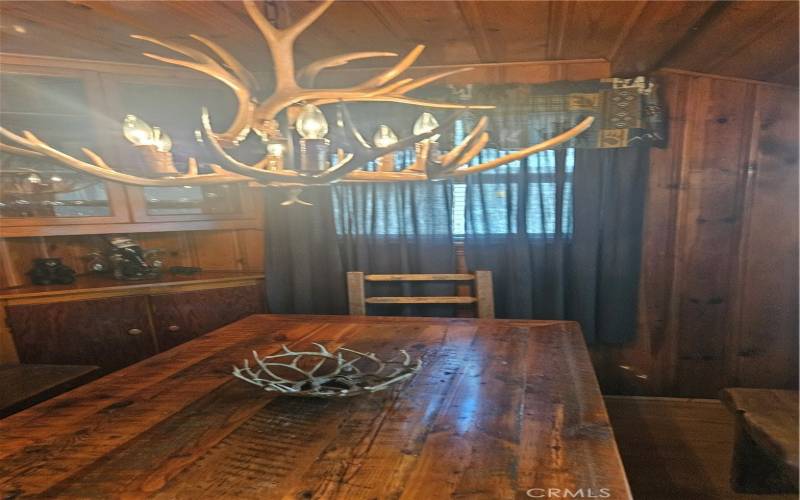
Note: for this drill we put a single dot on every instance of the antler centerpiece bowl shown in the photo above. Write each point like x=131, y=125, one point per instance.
x=322, y=373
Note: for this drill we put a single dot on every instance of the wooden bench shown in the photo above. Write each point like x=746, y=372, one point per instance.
x=26, y=385
x=765, y=451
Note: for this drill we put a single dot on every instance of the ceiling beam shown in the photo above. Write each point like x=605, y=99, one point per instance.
x=662, y=28
x=557, y=18
x=471, y=14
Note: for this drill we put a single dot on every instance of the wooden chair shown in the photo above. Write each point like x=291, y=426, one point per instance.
x=482, y=281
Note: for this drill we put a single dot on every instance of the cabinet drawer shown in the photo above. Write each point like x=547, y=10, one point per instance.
x=110, y=333
x=178, y=317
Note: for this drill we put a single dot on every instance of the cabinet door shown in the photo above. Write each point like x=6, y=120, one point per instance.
x=110, y=333
x=178, y=317
x=34, y=191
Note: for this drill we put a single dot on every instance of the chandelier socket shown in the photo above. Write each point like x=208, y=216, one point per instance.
x=156, y=163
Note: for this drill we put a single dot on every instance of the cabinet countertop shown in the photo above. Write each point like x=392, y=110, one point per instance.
x=100, y=283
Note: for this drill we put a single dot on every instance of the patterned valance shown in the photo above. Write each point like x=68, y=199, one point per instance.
x=626, y=111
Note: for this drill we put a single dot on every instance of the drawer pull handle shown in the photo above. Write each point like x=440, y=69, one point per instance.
x=173, y=328
x=134, y=331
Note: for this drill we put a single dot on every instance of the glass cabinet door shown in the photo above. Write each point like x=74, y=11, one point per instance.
x=36, y=190
x=176, y=109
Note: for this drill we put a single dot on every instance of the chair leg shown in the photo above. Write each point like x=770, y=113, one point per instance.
x=485, y=294
x=355, y=294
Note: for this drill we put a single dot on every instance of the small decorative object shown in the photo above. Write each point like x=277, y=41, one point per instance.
x=51, y=272
x=322, y=373
x=126, y=260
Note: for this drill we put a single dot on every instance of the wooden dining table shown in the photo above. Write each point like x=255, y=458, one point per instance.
x=500, y=409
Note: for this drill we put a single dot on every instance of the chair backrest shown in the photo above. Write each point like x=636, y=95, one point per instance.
x=483, y=294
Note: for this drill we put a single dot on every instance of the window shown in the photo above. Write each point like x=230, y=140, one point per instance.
x=546, y=187
x=541, y=185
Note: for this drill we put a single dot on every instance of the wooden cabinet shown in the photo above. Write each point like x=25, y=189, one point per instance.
x=114, y=324
x=178, y=317
x=110, y=333
x=75, y=107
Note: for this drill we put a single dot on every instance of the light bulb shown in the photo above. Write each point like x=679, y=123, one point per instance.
x=56, y=178
x=384, y=137
x=34, y=179
x=161, y=140
x=137, y=131
x=311, y=123
x=425, y=123
x=275, y=149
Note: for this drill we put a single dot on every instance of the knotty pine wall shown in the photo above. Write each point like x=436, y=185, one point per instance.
x=223, y=250
x=719, y=289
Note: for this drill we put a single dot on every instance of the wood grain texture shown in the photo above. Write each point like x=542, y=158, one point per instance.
x=356, y=302
x=499, y=407
x=483, y=297
x=419, y=277
x=676, y=448
x=25, y=385
x=94, y=285
x=223, y=250
x=178, y=317
x=718, y=295
x=750, y=39
x=100, y=332
x=769, y=420
x=422, y=300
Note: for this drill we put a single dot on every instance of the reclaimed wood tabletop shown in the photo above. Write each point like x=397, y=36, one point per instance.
x=500, y=409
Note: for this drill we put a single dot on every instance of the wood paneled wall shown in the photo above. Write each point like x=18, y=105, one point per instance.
x=719, y=296
x=221, y=250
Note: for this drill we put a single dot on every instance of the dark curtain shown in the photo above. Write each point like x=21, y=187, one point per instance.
x=304, y=268
x=561, y=233
x=374, y=228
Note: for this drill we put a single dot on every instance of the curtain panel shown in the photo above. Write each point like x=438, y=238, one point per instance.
x=561, y=230
x=373, y=228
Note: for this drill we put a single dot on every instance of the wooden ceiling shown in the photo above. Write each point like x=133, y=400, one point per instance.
x=750, y=39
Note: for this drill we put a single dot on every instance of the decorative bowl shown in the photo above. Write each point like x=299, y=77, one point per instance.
x=343, y=373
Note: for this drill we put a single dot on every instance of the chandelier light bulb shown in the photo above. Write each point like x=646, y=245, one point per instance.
x=137, y=131
x=161, y=140
x=425, y=123
x=384, y=137
x=275, y=149
x=311, y=124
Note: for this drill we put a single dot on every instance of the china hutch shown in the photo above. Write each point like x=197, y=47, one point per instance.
x=47, y=210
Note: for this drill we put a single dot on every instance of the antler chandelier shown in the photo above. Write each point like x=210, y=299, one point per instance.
x=296, y=95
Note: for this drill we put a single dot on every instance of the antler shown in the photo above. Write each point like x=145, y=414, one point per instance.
x=359, y=155
x=386, y=86
x=287, y=90
x=238, y=79
x=99, y=168
x=455, y=164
